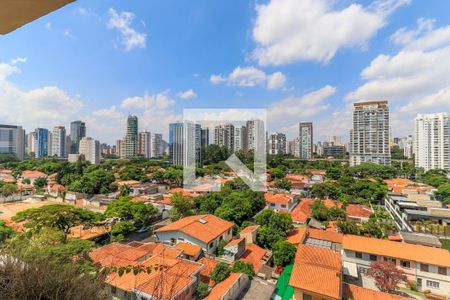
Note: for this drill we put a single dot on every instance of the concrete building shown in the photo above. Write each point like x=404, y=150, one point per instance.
x=118, y=147
x=129, y=145
x=407, y=145
x=176, y=142
x=31, y=138
x=294, y=147
x=224, y=136
x=157, y=145
x=432, y=141
x=59, y=141
x=306, y=140
x=256, y=135
x=41, y=142
x=369, y=137
x=144, y=144
x=77, y=132
x=184, y=142
x=240, y=138
x=90, y=149
x=277, y=143
x=12, y=140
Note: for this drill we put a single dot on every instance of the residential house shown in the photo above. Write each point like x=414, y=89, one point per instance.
x=249, y=234
x=233, y=250
x=32, y=175
x=280, y=202
x=205, y=231
x=190, y=251
x=428, y=266
x=230, y=288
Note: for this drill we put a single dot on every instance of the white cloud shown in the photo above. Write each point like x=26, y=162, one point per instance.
x=251, y=77
x=288, y=31
x=48, y=25
x=43, y=106
x=187, y=94
x=68, y=34
x=292, y=109
x=17, y=60
x=111, y=113
x=416, y=79
x=129, y=37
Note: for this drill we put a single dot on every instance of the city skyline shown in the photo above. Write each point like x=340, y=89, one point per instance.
x=140, y=62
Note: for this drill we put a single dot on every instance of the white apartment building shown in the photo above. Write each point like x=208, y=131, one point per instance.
x=369, y=137
x=240, y=138
x=157, y=149
x=432, y=141
x=58, y=143
x=224, y=136
x=12, y=140
x=256, y=135
x=144, y=144
x=277, y=143
x=306, y=140
x=90, y=148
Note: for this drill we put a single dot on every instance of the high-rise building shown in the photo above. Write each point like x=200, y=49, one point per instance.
x=77, y=132
x=118, y=147
x=41, y=142
x=224, y=136
x=144, y=144
x=407, y=145
x=306, y=140
x=130, y=141
x=59, y=141
x=432, y=141
x=256, y=135
x=12, y=140
x=184, y=142
x=335, y=140
x=68, y=145
x=31, y=142
x=204, y=137
x=294, y=147
x=157, y=145
x=90, y=149
x=240, y=138
x=50, y=143
x=277, y=143
x=369, y=138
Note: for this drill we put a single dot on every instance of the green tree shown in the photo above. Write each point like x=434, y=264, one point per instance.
x=202, y=290
x=220, y=247
x=124, y=190
x=348, y=227
x=95, y=182
x=7, y=189
x=283, y=253
x=214, y=154
x=140, y=214
x=336, y=213
x=120, y=229
x=243, y=267
x=443, y=193
x=334, y=173
x=40, y=182
x=327, y=189
x=5, y=231
x=277, y=173
x=174, y=176
x=181, y=206
x=284, y=184
x=220, y=272
x=58, y=216
x=319, y=210
x=132, y=173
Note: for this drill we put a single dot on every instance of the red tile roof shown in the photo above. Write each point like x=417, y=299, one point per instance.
x=249, y=229
x=189, y=249
x=296, y=236
x=33, y=174
x=220, y=289
x=355, y=292
x=418, y=253
x=286, y=199
x=325, y=235
x=234, y=242
x=302, y=211
x=254, y=254
x=205, y=228
x=317, y=270
x=205, y=273
x=357, y=210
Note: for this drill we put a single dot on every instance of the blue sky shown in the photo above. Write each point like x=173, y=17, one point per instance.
x=303, y=60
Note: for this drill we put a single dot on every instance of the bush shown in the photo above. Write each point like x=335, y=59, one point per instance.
x=202, y=290
x=243, y=267
x=412, y=285
x=220, y=272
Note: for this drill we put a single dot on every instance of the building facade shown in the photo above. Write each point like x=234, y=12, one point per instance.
x=77, y=132
x=306, y=140
x=256, y=135
x=157, y=145
x=129, y=145
x=41, y=142
x=432, y=141
x=144, y=144
x=12, y=140
x=240, y=138
x=90, y=149
x=369, y=137
x=59, y=141
x=224, y=136
x=176, y=141
x=277, y=143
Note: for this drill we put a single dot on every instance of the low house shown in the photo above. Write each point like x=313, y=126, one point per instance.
x=357, y=212
x=177, y=278
x=55, y=189
x=355, y=292
x=230, y=288
x=280, y=202
x=32, y=175
x=249, y=234
x=205, y=231
x=324, y=239
x=190, y=251
x=257, y=256
x=208, y=266
x=234, y=249
x=428, y=266
x=317, y=274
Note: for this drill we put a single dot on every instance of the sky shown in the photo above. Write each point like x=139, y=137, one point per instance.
x=302, y=60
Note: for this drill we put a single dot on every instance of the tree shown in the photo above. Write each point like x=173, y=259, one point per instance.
x=5, y=231
x=8, y=157
x=336, y=213
x=243, y=267
x=220, y=272
x=181, y=206
x=202, y=290
x=7, y=189
x=284, y=184
x=40, y=182
x=328, y=189
x=274, y=227
x=319, y=210
x=59, y=216
x=277, y=173
x=267, y=236
x=120, y=229
x=386, y=275
x=214, y=154
x=220, y=247
x=124, y=190
x=334, y=173
x=348, y=227
x=132, y=173
x=283, y=253
x=95, y=182
x=443, y=193
x=140, y=214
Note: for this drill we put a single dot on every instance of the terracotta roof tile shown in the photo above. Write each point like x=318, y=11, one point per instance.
x=254, y=254
x=419, y=253
x=296, y=236
x=325, y=235
x=249, y=229
x=234, y=242
x=315, y=266
x=33, y=174
x=302, y=211
x=356, y=210
x=205, y=273
x=189, y=249
x=355, y=292
x=202, y=227
x=279, y=198
x=220, y=289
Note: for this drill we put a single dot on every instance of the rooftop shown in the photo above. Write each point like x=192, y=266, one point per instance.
x=189, y=249
x=223, y=287
x=205, y=228
x=355, y=292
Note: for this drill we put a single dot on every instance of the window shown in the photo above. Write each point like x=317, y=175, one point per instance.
x=220, y=238
x=358, y=255
x=373, y=257
x=306, y=297
x=424, y=267
x=283, y=205
x=442, y=270
x=181, y=239
x=113, y=290
x=272, y=204
x=432, y=284
x=419, y=282
x=389, y=259
x=405, y=264
x=211, y=245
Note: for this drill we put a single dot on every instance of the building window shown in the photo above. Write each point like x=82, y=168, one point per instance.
x=424, y=267
x=358, y=255
x=272, y=204
x=283, y=205
x=211, y=245
x=113, y=290
x=306, y=297
x=389, y=259
x=181, y=239
x=373, y=257
x=405, y=264
x=173, y=241
x=442, y=270
x=419, y=283
x=220, y=238
x=432, y=284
